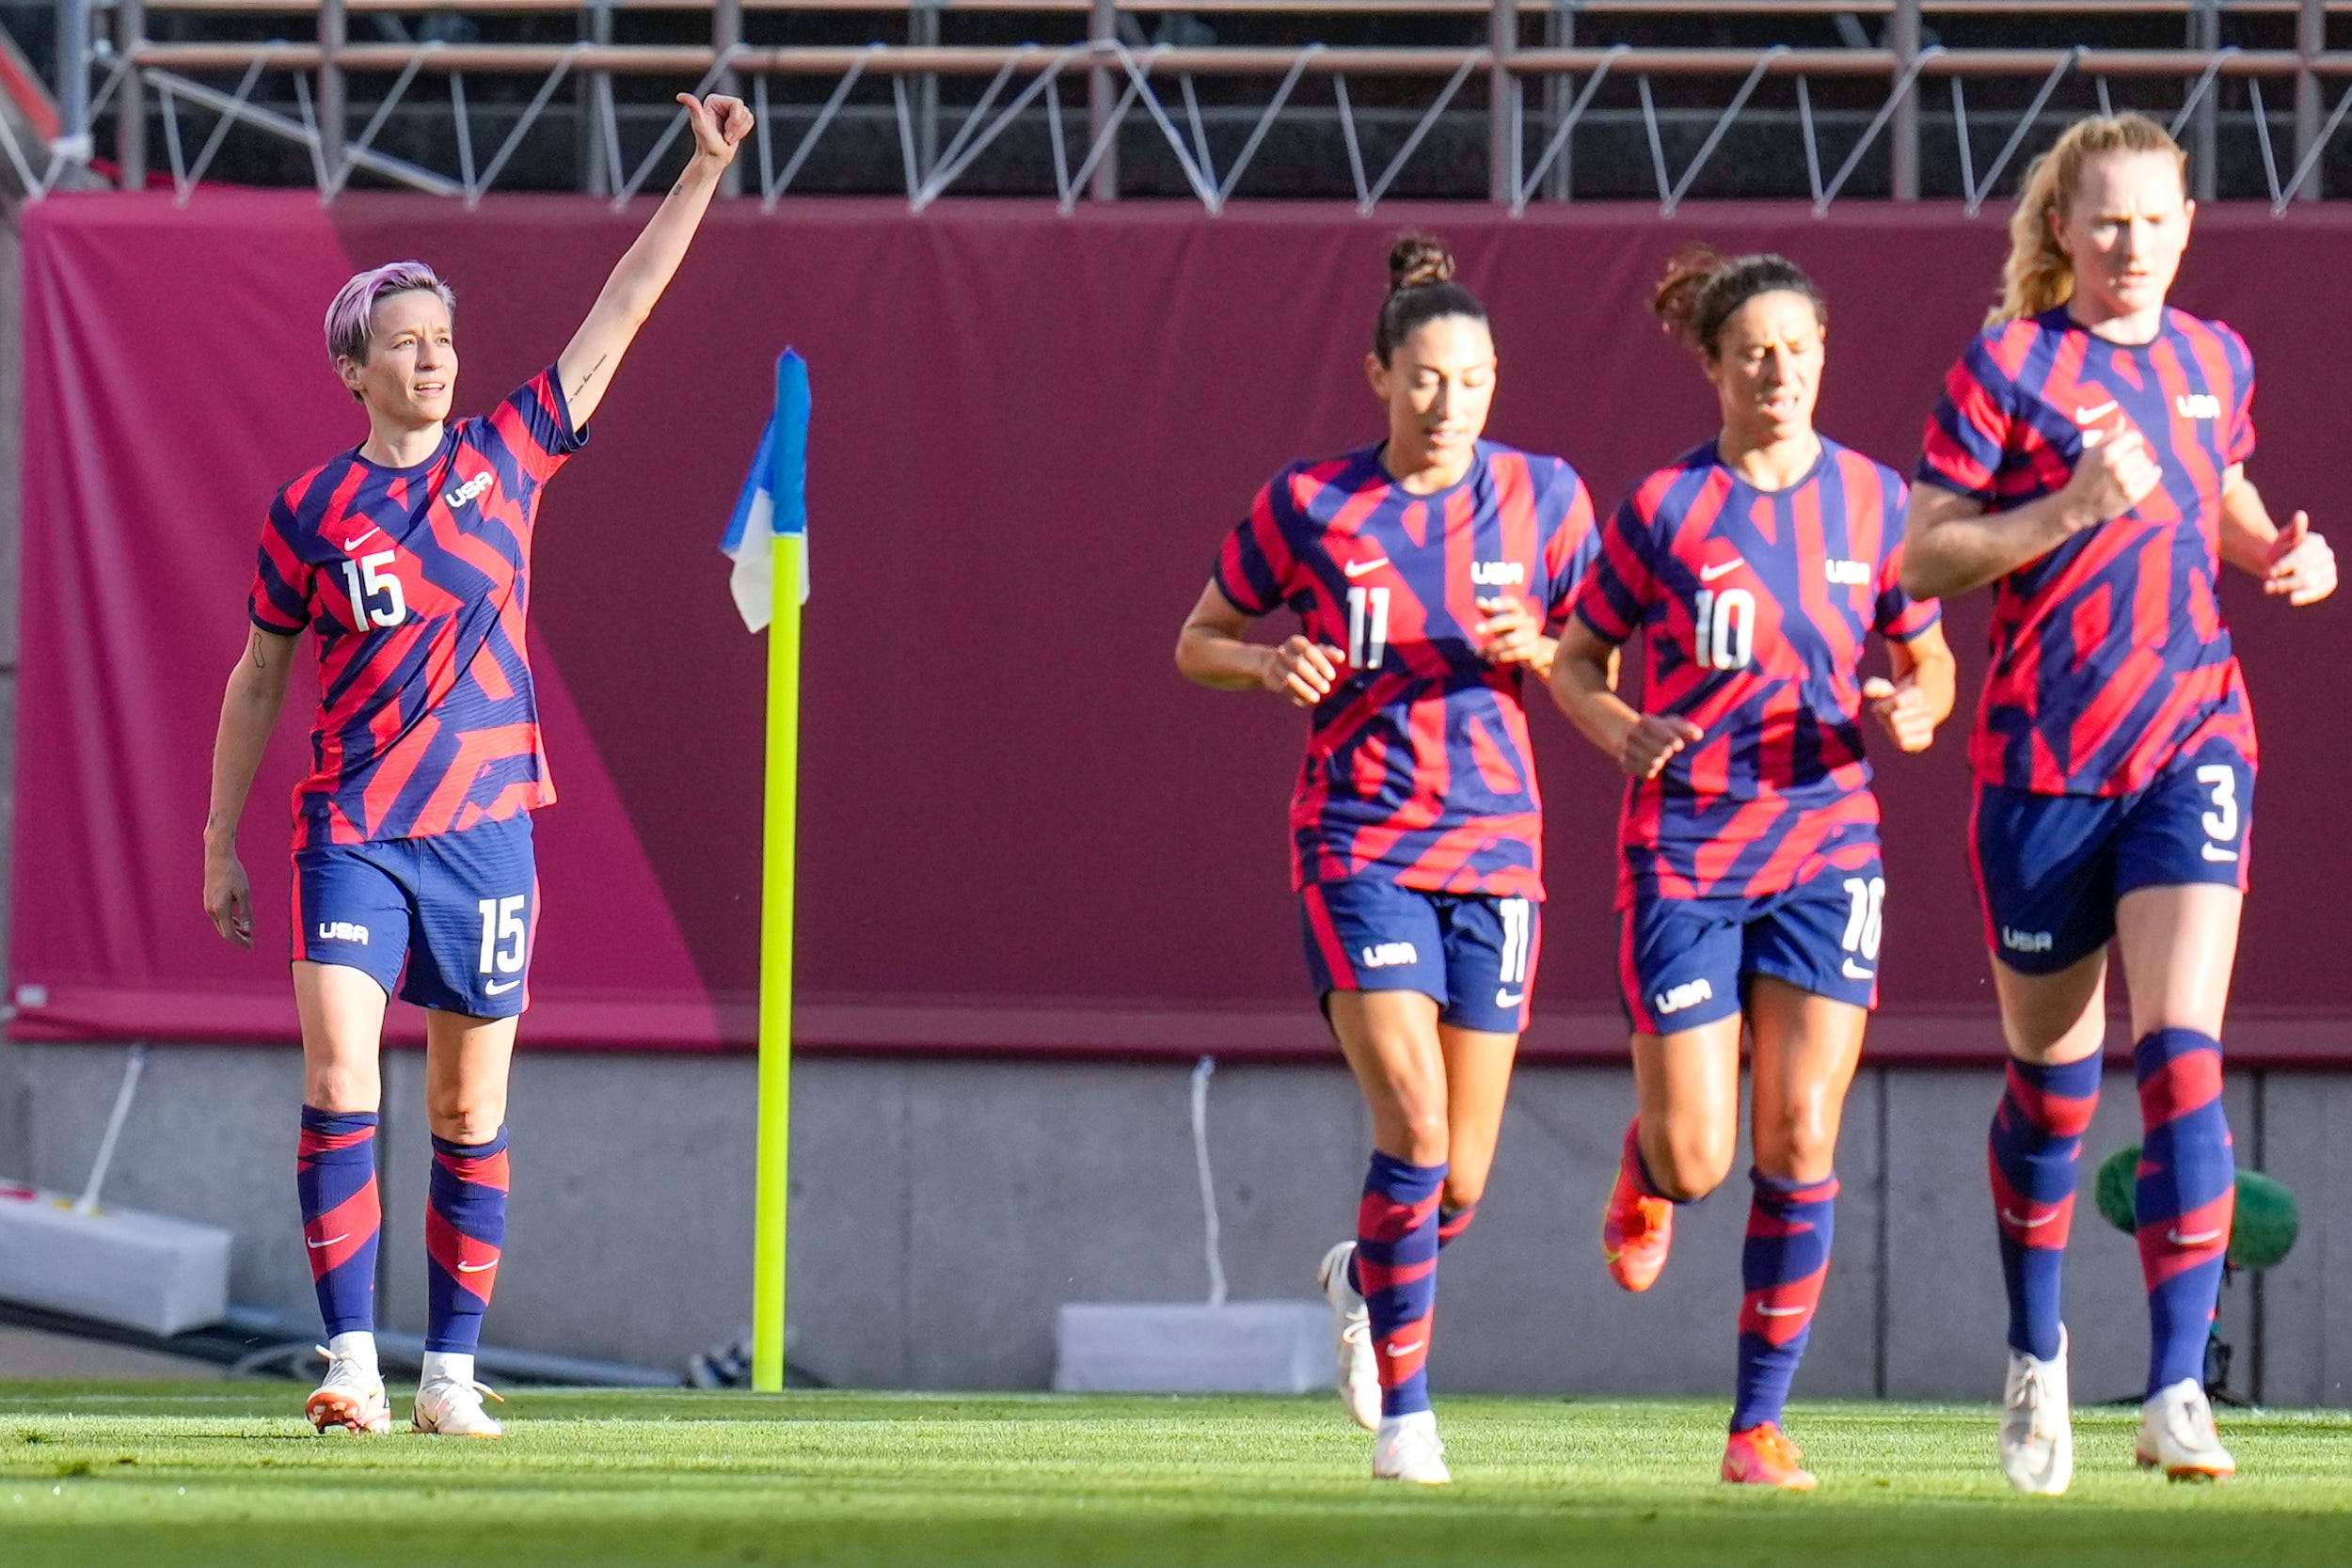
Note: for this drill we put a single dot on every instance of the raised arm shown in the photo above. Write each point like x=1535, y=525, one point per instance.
x=2291, y=561
x=719, y=125
x=1952, y=544
x=248, y=711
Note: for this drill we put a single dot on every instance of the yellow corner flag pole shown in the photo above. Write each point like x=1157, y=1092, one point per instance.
x=773, y=1180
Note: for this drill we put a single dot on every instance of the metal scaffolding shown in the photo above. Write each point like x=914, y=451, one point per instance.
x=1538, y=87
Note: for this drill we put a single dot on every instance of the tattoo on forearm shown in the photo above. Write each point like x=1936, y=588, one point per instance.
x=589, y=375
x=261, y=658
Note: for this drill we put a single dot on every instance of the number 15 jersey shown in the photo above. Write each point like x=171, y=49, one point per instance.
x=1751, y=606
x=416, y=581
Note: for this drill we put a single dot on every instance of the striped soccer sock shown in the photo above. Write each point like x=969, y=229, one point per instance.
x=1396, y=1260
x=465, y=1228
x=2184, y=1199
x=2032, y=1153
x=341, y=1213
x=1782, y=1268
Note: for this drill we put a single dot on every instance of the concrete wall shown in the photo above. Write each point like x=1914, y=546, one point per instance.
x=941, y=1210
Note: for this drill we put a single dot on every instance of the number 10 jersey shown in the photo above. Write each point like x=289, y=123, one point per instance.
x=1752, y=608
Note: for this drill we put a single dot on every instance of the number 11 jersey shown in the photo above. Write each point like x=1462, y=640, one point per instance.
x=416, y=581
x=1418, y=770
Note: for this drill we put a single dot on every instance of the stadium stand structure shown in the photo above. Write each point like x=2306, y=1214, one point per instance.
x=1512, y=102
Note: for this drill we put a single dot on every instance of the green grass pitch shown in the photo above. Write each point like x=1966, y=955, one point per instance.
x=129, y=1477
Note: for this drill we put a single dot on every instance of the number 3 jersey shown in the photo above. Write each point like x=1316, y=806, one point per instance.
x=1418, y=770
x=1751, y=606
x=416, y=581
x=2110, y=660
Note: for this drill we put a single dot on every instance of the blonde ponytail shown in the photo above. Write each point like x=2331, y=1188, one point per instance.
x=2038, y=277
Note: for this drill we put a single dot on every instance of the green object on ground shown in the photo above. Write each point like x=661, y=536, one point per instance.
x=2262, y=1232
x=124, y=1476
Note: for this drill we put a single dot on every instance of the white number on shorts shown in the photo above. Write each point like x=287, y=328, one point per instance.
x=2221, y=822
x=1518, y=932
x=1727, y=629
x=1865, y=920
x=367, y=582
x=1367, y=626
x=503, y=935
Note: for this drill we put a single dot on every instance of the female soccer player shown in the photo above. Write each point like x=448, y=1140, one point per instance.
x=1429, y=570
x=1752, y=569
x=2089, y=456
x=409, y=556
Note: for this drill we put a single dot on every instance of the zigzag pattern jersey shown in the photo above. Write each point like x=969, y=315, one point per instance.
x=1751, y=606
x=2109, y=655
x=416, y=581
x=1418, y=770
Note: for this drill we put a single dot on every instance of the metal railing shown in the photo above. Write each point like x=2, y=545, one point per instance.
x=1536, y=94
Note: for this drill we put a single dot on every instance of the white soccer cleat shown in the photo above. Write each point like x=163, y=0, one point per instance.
x=1355, y=1373
x=1407, y=1449
x=453, y=1408
x=2177, y=1435
x=2037, y=1424
x=350, y=1397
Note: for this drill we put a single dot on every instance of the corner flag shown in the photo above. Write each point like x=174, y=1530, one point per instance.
x=769, y=533
x=774, y=500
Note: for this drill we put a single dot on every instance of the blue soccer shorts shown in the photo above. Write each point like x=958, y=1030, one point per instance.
x=1684, y=962
x=1474, y=955
x=2050, y=867
x=458, y=912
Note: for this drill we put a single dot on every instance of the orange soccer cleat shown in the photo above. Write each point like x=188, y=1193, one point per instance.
x=1763, y=1456
x=1635, y=1233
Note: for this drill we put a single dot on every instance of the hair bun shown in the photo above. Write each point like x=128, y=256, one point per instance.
x=1416, y=261
x=1677, y=299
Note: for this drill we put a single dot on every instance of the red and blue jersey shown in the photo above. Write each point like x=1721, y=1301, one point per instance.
x=1751, y=606
x=2109, y=655
x=1418, y=770
x=416, y=581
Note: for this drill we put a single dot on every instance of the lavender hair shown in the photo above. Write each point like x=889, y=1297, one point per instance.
x=352, y=315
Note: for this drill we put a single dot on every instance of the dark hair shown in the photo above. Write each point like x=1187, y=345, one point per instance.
x=1421, y=290
x=1701, y=290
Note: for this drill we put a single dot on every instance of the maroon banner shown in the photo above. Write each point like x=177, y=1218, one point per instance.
x=1020, y=830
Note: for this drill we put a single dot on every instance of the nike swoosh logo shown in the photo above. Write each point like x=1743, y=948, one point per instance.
x=2198, y=1240
x=1357, y=568
x=1708, y=574
x=477, y=1268
x=1855, y=972
x=1780, y=1312
x=499, y=988
x=2214, y=853
x=2023, y=1223
x=1395, y=1349
x=1509, y=998
x=359, y=539
x=330, y=1242
x=2084, y=416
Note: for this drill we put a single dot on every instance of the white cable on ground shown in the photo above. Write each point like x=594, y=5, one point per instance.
x=1200, y=1074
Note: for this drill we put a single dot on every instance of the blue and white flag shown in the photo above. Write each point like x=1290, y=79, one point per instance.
x=774, y=502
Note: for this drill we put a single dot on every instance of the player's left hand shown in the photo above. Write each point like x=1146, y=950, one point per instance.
x=1902, y=712
x=719, y=123
x=2302, y=563
x=1509, y=635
